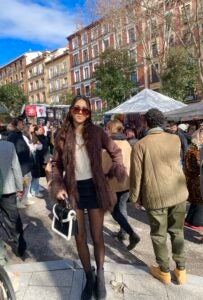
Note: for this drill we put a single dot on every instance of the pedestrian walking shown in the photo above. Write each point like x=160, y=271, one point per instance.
x=12, y=187
x=158, y=183
x=119, y=213
x=78, y=175
x=24, y=154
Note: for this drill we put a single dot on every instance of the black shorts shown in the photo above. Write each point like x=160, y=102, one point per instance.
x=87, y=194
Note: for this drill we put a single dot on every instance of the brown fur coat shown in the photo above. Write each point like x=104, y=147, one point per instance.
x=64, y=166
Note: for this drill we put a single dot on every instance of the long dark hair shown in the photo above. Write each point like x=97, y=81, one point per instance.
x=68, y=129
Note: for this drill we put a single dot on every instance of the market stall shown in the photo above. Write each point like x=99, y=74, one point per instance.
x=190, y=112
x=145, y=100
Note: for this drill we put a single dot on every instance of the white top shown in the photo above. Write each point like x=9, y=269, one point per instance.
x=83, y=168
x=32, y=147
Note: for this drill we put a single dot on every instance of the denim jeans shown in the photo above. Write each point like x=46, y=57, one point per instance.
x=120, y=212
x=34, y=189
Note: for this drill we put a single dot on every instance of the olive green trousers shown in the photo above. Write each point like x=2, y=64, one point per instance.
x=168, y=220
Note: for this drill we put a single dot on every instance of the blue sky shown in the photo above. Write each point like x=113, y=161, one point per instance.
x=35, y=25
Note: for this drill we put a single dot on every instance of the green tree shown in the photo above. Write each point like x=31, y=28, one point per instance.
x=180, y=75
x=13, y=98
x=66, y=98
x=113, y=76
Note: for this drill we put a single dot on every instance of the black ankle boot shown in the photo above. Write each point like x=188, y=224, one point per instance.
x=88, y=292
x=100, y=285
x=133, y=241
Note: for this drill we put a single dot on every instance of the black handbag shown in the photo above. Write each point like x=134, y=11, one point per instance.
x=64, y=221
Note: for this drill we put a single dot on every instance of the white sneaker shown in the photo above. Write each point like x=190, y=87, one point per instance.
x=19, y=204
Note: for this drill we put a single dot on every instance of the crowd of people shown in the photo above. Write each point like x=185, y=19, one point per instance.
x=101, y=169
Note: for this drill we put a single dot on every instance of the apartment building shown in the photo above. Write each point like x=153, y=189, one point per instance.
x=147, y=34
x=36, y=73
x=86, y=45
x=58, y=80
x=15, y=70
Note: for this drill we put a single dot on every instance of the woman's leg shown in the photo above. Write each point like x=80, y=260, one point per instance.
x=81, y=241
x=96, y=220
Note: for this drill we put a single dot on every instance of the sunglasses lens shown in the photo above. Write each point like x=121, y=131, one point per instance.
x=85, y=111
x=77, y=110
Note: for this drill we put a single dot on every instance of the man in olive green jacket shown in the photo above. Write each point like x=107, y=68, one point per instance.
x=158, y=183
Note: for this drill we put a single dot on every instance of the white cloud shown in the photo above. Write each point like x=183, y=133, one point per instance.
x=42, y=22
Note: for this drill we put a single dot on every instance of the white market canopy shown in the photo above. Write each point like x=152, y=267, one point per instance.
x=145, y=100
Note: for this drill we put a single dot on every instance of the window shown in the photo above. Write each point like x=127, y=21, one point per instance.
x=41, y=83
x=87, y=90
x=50, y=73
x=85, y=55
x=36, y=84
x=57, y=84
x=132, y=54
x=77, y=76
x=75, y=42
x=154, y=73
x=64, y=67
x=94, y=67
x=154, y=50
x=40, y=69
x=84, y=38
x=133, y=76
x=64, y=83
x=119, y=39
x=105, y=29
x=78, y=91
x=106, y=44
x=201, y=32
x=94, y=34
x=76, y=59
x=57, y=70
x=131, y=35
x=172, y=40
x=154, y=28
x=168, y=20
x=186, y=36
x=185, y=13
x=86, y=73
x=95, y=51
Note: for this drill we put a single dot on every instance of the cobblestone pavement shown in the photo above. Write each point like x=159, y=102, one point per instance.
x=44, y=245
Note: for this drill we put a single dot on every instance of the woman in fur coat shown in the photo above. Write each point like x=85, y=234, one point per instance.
x=78, y=175
x=194, y=217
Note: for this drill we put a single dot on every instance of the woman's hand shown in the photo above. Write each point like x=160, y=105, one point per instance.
x=61, y=195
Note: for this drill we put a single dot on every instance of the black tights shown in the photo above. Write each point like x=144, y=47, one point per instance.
x=96, y=219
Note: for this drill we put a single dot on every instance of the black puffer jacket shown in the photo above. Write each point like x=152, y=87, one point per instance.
x=24, y=155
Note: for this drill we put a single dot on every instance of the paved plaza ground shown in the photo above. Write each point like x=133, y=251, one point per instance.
x=44, y=262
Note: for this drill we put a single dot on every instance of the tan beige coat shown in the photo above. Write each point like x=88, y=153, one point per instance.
x=156, y=176
x=114, y=184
